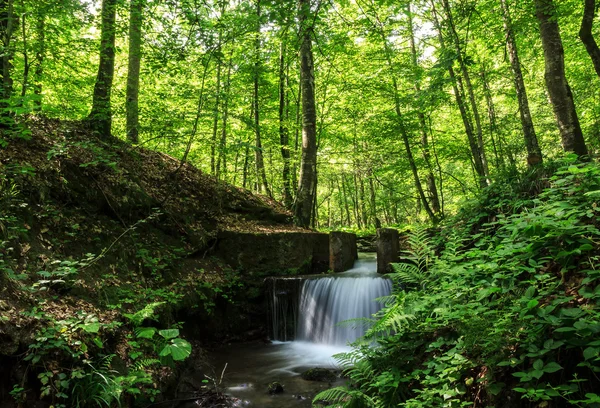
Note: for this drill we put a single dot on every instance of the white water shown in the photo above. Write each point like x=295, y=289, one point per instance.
x=325, y=302
x=314, y=307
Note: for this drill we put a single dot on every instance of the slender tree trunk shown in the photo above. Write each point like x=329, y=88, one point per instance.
x=7, y=28
x=222, y=160
x=303, y=208
x=136, y=8
x=213, y=144
x=283, y=129
x=261, y=175
x=373, y=201
x=534, y=153
x=100, y=118
x=404, y=131
x=26, y=65
x=585, y=33
x=556, y=80
x=363, y=202
x=431, y=186
x=473, y=145
x=492, y=118
x=40, y=54
x=465, y=73
x=197, y=119
x=298, y=124
x=345, y=199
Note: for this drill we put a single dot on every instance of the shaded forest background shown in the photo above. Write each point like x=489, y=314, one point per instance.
x=418, y=103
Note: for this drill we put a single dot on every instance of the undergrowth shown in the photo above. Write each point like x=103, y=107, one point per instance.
x=506, y=317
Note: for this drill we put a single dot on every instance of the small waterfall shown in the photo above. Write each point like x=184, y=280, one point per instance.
x=323, y=302
x=283, y=304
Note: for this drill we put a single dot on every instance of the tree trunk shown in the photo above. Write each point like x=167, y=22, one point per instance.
x=136, y=8
x=585, y=33
x=492, y=118
x=7, y=29
x=303, y=208
x=534, y=154
x=283, y=129
x=469, y=86
x=40, y=54
x=402, y=128
x=222, y=158
x=26, y=66
x=431, y=186
x=261, y=175
x=213, y=144
x=556, y=81
x=100, y=118
x=345, y=200
x=473, y=145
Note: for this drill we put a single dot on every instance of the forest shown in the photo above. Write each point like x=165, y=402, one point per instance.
x=160, y=160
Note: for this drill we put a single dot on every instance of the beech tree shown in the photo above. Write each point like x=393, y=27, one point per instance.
x=100, y=117
x=307, y=185
x=559, y=90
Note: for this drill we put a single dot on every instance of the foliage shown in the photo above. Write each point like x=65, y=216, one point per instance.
x=512, y=317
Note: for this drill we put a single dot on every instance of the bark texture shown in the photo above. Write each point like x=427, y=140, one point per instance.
x=556, y=80
x=136, y=8
x=534, y=154
x=585, y=33
x=307, y=184
x=100, y=117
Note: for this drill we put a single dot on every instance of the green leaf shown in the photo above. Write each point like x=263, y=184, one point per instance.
x=169, y=333
x=180, y=349
x=552, y=367
x=590, y=353
x=91, y=327
x=145, y=332
x=538, y=364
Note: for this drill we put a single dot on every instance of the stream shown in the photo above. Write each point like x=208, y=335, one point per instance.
x=310, y=308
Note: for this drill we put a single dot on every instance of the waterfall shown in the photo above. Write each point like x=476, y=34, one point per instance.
x=323, y=302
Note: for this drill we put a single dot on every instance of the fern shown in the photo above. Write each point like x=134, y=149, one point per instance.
x=343, y=398
x=146, y=313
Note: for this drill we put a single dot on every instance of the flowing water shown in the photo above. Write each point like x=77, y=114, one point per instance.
x=307, y=311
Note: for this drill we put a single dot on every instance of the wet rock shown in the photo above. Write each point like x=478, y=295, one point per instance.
x=275, y=388
x=319, y=374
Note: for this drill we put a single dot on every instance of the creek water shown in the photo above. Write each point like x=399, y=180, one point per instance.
x=305, y=313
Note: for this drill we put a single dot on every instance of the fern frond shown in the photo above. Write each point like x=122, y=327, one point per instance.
x=344, y=398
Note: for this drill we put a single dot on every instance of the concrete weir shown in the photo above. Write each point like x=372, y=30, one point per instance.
x=307, y=252
x=342, y=251
x=388, y=248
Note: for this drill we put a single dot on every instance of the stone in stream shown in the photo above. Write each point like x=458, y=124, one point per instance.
x=342, y=251
x=319, y=374
x=275, y=388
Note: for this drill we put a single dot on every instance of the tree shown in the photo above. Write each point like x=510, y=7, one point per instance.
x=100, y=117
x=261, y=175
x=534, y=154
x=307, y=185
x=585, y=33
x=559, y=90
x=7, y=28
x=133, y=73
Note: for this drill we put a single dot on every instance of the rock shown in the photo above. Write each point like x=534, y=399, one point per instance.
x=319, y=374
x=275, y=388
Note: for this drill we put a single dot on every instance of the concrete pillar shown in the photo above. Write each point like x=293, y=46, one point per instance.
x=342, y=251
x=388, y=247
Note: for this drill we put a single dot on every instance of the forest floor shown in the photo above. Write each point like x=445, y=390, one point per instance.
x=92, y=230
